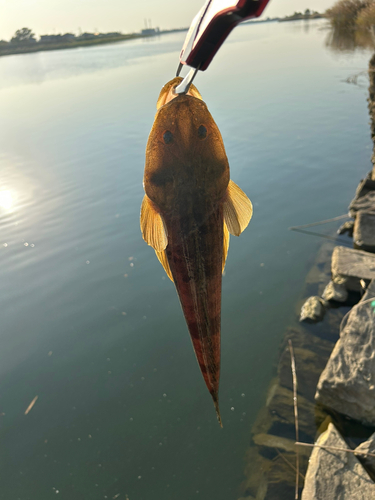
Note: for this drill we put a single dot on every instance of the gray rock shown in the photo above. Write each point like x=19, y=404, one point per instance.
x=336, y=475
x=335, y=291
x=347, y=384
x=367, y=447
x=370, y=291
x=364, y=231
x=366, y=185
x=349, y=266
x=347, y=227
x=365, y=203
x=312, y=310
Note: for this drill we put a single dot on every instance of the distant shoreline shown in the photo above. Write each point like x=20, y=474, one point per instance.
x=295, y=17
x=42, y=47
x=301, y=17
x=14, y=49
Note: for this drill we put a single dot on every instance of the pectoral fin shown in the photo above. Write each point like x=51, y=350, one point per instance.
x=238, y=209
x=162, y=256
x=225, y=245
x=153, y=228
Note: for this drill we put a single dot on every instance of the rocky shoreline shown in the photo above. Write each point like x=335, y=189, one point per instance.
x=334, y=351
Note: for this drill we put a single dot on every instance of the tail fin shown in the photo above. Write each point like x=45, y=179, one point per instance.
x=216, y=404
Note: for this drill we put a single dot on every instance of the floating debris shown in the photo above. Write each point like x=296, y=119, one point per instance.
x=30, y=407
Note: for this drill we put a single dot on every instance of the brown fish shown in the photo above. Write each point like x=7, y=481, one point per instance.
x=189, y=209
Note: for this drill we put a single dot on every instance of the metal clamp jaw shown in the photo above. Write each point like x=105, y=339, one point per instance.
x=209, y=29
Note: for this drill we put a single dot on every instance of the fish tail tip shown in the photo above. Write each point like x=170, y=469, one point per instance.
x=216, y=403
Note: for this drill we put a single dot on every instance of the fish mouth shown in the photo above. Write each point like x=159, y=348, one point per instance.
x=172, y=94
x=168, y=93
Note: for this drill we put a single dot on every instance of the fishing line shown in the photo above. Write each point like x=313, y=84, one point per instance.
x=344, y=216
x=299, y=229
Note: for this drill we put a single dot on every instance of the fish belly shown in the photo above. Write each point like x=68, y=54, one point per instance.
x=194, y=252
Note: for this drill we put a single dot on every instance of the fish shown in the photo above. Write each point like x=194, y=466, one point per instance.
x=189, y=208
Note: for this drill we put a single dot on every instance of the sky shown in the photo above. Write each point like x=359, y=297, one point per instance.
x=61, y=16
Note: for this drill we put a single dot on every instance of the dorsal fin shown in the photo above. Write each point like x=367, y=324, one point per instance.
x=162, y=256
x=153, y=228
x=238, y=209
x=225, y=244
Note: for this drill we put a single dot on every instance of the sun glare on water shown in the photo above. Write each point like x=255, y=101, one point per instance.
x=6, y=199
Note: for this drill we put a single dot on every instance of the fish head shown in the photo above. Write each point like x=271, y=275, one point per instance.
x=185, y=155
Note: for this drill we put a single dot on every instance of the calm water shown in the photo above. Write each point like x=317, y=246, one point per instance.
x=89, y=321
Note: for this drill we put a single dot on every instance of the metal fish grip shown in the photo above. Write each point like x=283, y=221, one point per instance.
x=208, y=31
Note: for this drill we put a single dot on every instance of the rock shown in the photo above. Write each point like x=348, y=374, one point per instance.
x=311, y=354
x=347, y=384
x=347, y=227
x=272, y=478
x=280, y=405
x=365, y=186
x=334, y=291
x=320, y=272
x=282, y=444
x=364, y=231
x=368, y=462
x=256, y=468
x=350, y=266
x=334, y=475
x=312, y=310
x=370, y=291
x=361, y=199
x=281, y=478
x=365, y=203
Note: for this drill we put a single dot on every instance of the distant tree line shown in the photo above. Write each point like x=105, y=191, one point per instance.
x=26, y=37
x=308, y=14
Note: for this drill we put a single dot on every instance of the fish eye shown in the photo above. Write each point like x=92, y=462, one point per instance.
x=168, y=137
x=202, y=132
